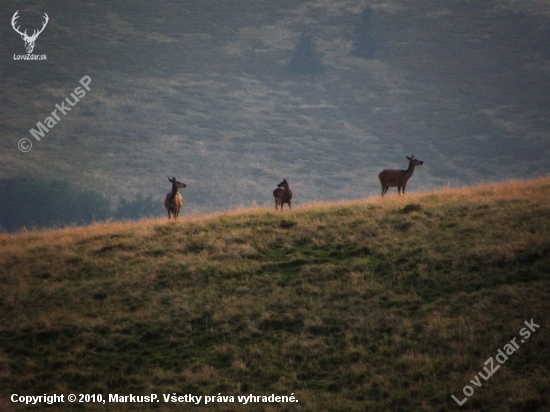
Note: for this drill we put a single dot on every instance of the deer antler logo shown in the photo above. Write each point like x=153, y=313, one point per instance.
x=29, y=40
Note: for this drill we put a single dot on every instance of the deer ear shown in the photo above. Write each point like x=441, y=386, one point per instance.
x=408, y=158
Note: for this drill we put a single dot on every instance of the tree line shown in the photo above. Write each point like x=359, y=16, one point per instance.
x=307, y=60
x=35, y=203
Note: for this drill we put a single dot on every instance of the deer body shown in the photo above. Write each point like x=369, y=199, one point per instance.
x=29, y=40
x=173, y=200
x=282, y=195
x=398, y=178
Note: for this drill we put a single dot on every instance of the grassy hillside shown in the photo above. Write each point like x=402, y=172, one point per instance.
x=200, y=90
x=373, y=304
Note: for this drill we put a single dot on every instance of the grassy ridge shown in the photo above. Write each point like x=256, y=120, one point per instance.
x=375, y=304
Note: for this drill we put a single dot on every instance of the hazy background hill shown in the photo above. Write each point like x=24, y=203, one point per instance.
x=202, y=91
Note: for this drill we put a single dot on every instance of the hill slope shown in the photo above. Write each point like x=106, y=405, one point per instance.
x=390, y=304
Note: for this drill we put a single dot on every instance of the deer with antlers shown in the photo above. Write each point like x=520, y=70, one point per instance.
x=29, y=40
x=173, y=200
x=392, y=178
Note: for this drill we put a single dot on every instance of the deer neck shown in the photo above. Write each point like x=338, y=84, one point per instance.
x=409, y=171
x=174, y=192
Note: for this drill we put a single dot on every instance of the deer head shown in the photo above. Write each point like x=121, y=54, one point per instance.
x=29, y=40
x=413, y=161
x=177, y=184
x=284, y=183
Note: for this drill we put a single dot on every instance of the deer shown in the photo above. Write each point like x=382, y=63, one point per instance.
x=29, y=40
x=392, y=178
x=173, y=200
x=282, y=195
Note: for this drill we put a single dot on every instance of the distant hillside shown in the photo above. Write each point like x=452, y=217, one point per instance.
x=377, y=304
x=201, y=90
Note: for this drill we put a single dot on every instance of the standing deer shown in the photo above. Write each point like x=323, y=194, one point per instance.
x=29, y=40
x=392, y=178
x=173, y=200
x=282, y=195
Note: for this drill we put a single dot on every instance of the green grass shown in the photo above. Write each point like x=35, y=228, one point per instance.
x=380, y=305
